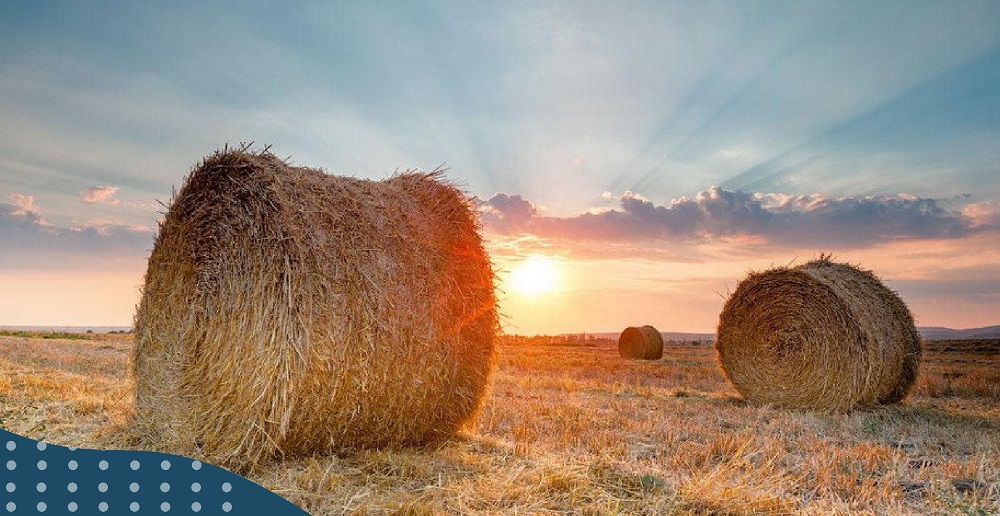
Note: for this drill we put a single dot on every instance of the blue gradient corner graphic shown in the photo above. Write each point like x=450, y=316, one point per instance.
x=40, y=478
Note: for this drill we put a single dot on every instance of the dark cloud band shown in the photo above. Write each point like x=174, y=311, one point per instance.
x=718, y=213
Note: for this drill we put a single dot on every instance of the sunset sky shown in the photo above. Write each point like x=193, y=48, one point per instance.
x=631, y=161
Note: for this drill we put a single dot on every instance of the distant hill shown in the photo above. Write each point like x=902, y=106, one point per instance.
x=927, y=332
x=667, y=335
x=680, y=336
x=68, y=329
x=939, y=333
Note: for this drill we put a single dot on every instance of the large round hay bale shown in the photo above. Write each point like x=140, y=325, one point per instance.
x=287, y=311
x=643, y=343
x=822, y=335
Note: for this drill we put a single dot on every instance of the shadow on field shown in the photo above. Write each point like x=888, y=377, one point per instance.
x=908, y=414
x=921, y=416
x=727, y=401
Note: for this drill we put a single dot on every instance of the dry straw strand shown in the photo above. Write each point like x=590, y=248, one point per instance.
x=823, y=335
x=287, y=311
x=643, y=343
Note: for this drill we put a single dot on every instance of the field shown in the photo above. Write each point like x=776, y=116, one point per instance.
x=570, y=428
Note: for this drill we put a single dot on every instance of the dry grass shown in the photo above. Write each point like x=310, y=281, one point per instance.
x=578, y=430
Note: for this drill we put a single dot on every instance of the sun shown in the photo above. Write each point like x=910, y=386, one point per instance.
x=535, y=276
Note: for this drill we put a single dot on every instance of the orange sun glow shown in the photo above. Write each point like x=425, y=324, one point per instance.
x=536, y=275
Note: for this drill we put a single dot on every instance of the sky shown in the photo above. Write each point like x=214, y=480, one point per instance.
x=630, y=161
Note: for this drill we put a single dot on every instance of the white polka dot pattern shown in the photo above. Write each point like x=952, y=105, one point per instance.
x=62, y=480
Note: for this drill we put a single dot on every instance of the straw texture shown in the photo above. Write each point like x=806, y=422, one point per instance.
x=822, y=335
x=643, y=343
x=286, y=311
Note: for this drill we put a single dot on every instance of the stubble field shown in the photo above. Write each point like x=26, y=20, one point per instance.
x=571, y=428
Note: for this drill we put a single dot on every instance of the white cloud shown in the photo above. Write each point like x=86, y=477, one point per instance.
x=23, y=205
x=983, y=213
x=100, y=194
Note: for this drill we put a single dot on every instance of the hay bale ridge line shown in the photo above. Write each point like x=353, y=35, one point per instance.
x=287, y=311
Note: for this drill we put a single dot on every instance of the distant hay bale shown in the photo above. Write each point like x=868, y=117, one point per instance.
x=286, y=311
x=644, y=343
x=822, y=335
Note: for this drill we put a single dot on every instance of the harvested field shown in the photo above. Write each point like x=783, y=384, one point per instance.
x=574, y=429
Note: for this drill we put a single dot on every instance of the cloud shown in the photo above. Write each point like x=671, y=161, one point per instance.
x=721, y=214
x=983, y=214
x=22, y=206
x=20, y=212
x=868, y=220
x=100, y=194
x=505, y=212
x=31, y=242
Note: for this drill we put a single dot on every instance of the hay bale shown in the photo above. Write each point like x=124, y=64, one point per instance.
x=644, y=343
x=822, y=335
x=286, y=311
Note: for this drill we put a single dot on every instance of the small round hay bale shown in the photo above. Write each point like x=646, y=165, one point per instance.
x=822, y=335
x=287, y=311
x=644, y=343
